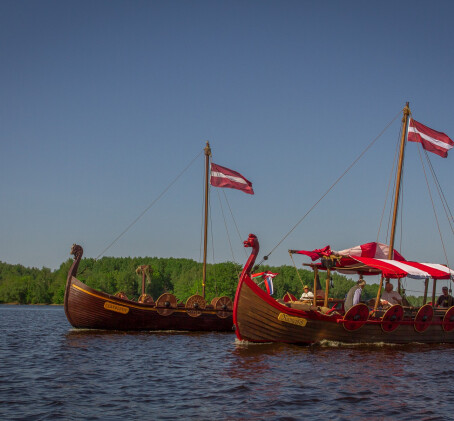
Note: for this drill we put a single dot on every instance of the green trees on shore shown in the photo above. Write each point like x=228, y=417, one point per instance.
x=181, y=277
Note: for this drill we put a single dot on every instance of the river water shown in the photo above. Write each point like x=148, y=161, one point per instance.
x=50, y=371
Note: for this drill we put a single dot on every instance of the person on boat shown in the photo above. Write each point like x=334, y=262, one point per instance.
x=390, y=297
x=445, y=300
x=307, y=293
x=354, y=295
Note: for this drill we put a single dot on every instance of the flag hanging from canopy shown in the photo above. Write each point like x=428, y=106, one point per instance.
x=224, y=177
x=431, y=140
x=267, y=279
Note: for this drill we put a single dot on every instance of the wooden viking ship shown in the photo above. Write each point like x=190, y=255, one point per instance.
x=260, y=318
x=88, y=308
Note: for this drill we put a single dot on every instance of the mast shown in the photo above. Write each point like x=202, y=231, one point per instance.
x=396, y=198
x=205, y=231
x=398, y=179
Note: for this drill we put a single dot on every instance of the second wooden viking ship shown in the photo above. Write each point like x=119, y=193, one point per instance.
x=88, y=308
x=260, y=318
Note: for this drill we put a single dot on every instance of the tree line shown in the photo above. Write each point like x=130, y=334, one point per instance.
x=182, y=277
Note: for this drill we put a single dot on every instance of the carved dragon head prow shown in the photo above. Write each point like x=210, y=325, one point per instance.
x=251, y=241
x=77, y=251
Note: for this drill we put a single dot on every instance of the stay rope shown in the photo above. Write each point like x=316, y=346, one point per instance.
x=234, y=222
x=433, y=206
x=225, y=225
x=297, y=272
x=330, y=188
x=148, y=207
x=391, y=178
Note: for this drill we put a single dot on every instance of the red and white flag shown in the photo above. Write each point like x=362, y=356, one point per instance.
x=223, y=177
x=267, y=279
x=430, y=139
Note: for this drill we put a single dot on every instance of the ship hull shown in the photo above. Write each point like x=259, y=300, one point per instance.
x=87, y=308
x=260, y=318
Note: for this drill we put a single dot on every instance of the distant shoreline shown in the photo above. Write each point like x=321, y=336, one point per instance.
x=37, y=304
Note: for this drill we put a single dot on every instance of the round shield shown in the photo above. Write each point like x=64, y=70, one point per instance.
x=121, y=295
x=448, y=320
x=146, y=299
x=356, y=317
x=289, y=297
x=166, y=304
x=195, y=304
x=223, y=306
x=392, y=317
x=423, y=318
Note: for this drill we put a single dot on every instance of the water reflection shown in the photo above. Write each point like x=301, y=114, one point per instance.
x=51, y=370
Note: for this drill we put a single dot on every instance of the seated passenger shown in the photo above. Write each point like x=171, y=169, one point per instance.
x=390, y=297
x=307, y=293
x=445, y=300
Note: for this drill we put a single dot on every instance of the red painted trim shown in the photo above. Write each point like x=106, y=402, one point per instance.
x=253, y=242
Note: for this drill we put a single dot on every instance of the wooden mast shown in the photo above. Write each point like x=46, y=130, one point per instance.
x=397, y=194
x=398, y=179
x=205, y=231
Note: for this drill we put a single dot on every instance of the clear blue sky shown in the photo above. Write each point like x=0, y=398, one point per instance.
x=105, y=102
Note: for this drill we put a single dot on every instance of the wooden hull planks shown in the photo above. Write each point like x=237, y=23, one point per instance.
x=260, y=318
x=88, y=308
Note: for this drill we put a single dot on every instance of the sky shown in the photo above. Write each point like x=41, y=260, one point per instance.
x=105, y=103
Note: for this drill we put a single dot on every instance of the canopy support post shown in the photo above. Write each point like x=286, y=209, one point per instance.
x=426, y=287
x=380, y=286
x=434, y=291
x=328, y=278
x=315, y=286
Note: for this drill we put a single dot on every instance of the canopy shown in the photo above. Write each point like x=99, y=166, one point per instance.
x=372, y=259
x=377, y=250
x=399, y=269
x=374, y=249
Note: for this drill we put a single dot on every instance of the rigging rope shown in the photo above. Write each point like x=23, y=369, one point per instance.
x=440, y=193
x=147, y=208
x=401, y=205
x=330, y=188
x=391, y=210
x=433, y=206
x=291, y=257
x=225, y=225
x=240, y=238
x=391, y=178
x=212, y=246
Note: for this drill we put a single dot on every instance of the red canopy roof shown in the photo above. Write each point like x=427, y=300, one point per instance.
x=371, y=259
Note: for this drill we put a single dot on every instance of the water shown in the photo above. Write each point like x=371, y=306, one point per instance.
x=50, y=371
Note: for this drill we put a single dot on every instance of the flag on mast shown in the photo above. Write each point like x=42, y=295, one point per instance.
x=224, y=177
x=431, y=140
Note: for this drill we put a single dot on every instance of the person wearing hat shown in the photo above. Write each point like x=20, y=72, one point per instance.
x=354, y=295
x=445, y=300
x=307, y=293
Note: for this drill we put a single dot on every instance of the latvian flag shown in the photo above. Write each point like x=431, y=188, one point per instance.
x=430, y=139
x=223, y=177
x=267, y=279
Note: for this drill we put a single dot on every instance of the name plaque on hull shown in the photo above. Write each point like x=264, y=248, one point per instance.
x=293, y=320
x=116, y=308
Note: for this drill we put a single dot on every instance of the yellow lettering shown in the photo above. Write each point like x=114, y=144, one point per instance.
x=116, y=308
x=293, y=320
